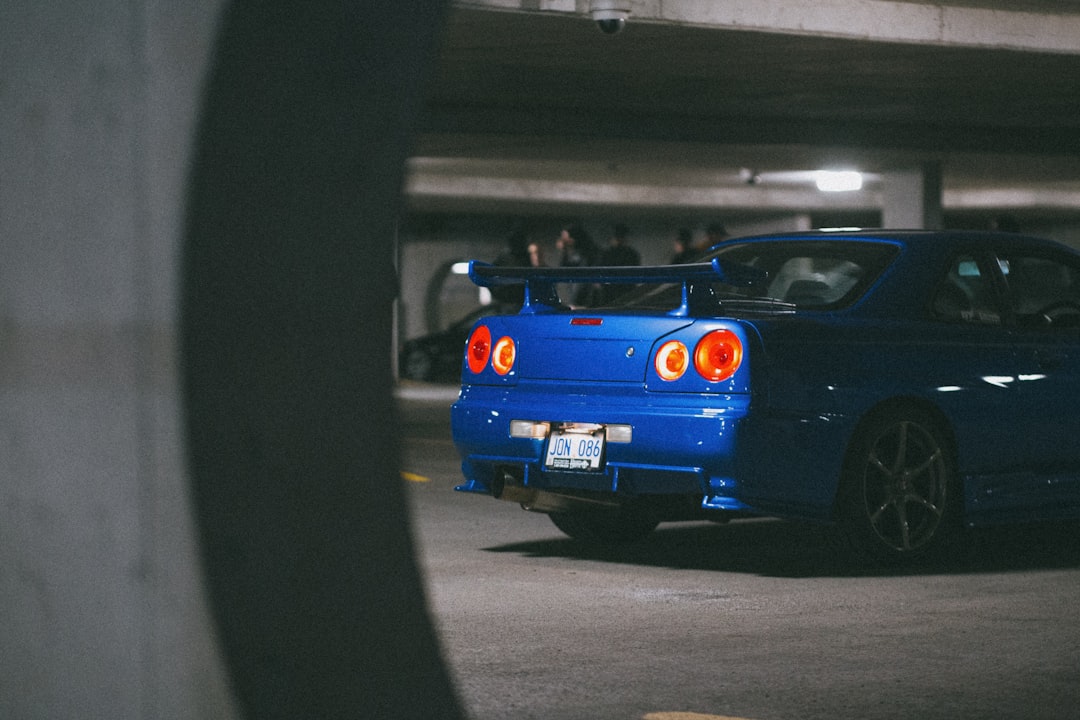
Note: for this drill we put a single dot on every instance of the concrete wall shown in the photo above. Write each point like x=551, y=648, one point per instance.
x=100, y=595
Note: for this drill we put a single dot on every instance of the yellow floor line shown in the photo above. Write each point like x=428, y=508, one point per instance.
x=413, y=477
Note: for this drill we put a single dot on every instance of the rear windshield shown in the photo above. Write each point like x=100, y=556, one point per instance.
x=810, y=274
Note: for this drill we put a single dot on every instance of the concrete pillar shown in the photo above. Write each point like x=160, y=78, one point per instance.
x=287, y=289
x=102, y=610
x=102, y=607
x=912, y=198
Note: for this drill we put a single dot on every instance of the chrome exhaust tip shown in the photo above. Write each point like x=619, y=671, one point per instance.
x=507, y=485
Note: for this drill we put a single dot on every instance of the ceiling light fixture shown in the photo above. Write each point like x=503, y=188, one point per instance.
x=838, y=180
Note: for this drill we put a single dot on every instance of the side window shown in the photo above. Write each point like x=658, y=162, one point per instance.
x=1043, y=291
x=966, y=295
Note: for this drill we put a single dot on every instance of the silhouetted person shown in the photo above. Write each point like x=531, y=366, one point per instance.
x=618, y=252
x=1005, y=223
x=683, y=247
x=715, y=233
x=576, y=249
x=519, y=252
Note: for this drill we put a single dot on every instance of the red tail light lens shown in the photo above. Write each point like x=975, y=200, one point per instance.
x=478, y=349
x=672, y=359
x=718, y=355
x=502, y=357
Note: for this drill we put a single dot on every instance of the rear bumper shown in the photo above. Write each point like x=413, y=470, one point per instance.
x=682, y=444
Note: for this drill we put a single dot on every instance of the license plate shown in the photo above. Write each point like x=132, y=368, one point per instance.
x=575, y=447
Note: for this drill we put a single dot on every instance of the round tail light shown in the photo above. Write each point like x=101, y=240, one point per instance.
x=502, y=357
x=672, y=359
x=478, y=349
x=718, y=355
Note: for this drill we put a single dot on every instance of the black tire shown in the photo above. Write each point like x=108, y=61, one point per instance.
x=899, y=494
x=607, y=526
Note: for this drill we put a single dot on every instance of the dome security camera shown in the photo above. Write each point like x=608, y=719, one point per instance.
x=610, y=15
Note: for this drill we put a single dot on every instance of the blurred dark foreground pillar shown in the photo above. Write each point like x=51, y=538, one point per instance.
x=288, y=282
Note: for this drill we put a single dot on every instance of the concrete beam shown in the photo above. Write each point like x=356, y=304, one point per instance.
x=435, y=183
x=424, y=189
x=1036, y=27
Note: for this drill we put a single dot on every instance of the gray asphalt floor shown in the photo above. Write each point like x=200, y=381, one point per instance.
x=757, y=619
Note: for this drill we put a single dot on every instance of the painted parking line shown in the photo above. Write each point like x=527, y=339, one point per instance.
x=413, y=477
x=687, y=716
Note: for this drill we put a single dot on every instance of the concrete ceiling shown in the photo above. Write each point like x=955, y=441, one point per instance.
x=540, y=111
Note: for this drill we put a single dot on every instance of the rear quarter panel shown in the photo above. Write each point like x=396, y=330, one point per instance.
x=825, y=375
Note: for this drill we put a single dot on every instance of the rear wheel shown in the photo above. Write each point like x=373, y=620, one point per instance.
x=607, y=526
x=899, y=496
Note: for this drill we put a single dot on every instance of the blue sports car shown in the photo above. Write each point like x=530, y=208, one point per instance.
x=902, y=385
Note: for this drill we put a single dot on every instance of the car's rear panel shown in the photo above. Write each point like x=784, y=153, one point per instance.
x=595, y=349
x=598, y=372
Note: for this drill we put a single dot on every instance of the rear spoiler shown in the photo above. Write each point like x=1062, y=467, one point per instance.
x=541, y=294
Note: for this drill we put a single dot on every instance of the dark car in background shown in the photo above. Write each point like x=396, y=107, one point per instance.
x=436, y=357
x=900, y=385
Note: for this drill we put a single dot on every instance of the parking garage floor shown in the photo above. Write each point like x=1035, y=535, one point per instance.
x=754, y=619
